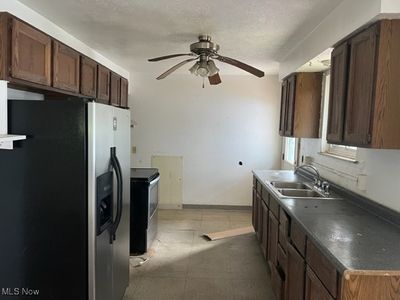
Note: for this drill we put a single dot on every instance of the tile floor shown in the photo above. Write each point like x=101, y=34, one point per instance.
x=182, y=265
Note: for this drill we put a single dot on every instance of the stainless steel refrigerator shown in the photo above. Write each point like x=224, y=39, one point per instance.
x=64, y=201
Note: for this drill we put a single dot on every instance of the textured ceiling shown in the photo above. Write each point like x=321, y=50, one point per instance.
x=258, y=32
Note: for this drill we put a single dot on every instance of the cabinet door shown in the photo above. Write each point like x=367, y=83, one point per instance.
x=88, y=77
x=103, y=85
x=260, y=218
x=273, y=227
x=264, y=240
x=295, y=274
x=291, y=93
x=277, y=283
x=314, y=288
x=337, y=94
x=124, y=92
x=65, y=68
x=363, y=52
x=282, y=121
x=115, y=89
x=31, y=54
x=255, y=210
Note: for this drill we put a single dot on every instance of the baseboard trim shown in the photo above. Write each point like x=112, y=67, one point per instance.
x=222, y=207
x=169, y=206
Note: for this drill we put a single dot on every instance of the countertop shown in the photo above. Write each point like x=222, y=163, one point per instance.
x=350, y=236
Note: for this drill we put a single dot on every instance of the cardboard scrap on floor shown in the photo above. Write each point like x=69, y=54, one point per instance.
x=227, y=233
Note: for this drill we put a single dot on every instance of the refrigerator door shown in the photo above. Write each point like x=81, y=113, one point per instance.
x=100, y=255
x=122, y=143
x=109, y=141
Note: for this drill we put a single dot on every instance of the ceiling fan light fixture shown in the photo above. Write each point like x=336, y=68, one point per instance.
x=194, y=68
x=212, y=68
x=202, y=69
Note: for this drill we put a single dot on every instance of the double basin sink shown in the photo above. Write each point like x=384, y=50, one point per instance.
x=298, y=190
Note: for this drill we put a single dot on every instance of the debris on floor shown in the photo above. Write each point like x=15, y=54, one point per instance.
x=227, y=233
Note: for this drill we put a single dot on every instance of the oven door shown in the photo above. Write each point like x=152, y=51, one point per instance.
x=153, y=196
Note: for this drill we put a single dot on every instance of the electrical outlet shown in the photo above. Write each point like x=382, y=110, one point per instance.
x=133, y=149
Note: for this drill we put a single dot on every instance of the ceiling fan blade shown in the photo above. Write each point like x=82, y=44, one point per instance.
x=215, y=79
x=241, y=65
x=174, y=68
x=170, y=56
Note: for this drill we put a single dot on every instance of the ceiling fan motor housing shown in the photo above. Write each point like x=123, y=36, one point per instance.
x=204, y=46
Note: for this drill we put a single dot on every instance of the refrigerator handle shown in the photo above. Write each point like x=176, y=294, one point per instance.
x=118, y=171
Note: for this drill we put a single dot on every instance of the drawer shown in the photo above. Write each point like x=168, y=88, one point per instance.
x=277, y=283
x=274, y=206
x=265, y=196
x=282, y=260
x=282, y=238
x=298, y=237
x=322, y=267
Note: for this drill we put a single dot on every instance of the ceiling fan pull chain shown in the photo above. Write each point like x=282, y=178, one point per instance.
x=203, y=82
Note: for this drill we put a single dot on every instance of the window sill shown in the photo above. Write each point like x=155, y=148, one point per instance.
x=350, y=160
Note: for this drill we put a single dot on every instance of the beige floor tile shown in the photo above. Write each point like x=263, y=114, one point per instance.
x=159, y=288
x=207, y=289
x=186, y=266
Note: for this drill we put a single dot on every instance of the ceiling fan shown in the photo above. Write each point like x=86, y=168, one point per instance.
x=204, y=52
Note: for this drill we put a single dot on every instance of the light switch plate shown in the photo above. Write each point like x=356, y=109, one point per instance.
x=133, y=149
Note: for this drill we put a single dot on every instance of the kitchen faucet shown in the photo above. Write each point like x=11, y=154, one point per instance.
x=321, y=185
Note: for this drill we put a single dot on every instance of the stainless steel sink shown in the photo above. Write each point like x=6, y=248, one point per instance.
x=290, y=185
x=301, y=193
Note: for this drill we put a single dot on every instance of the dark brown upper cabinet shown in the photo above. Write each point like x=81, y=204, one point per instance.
x=103, y=84
x=88, y=77
x=32, y=60
x=30, y=54
x=282, y=121
x=65, y=67
x=337, y=93
x=300, y=105
x=366, y=113
x=115, y=89
x=124, y=92
x=360, y=87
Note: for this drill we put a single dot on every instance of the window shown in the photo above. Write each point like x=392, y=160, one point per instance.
x=340, y=151
x=290, y=150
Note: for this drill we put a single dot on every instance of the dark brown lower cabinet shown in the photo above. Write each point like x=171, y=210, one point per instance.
x=260, y=218
x=315, y=290
x=265, y=218
x=295, y=274
x=254, y=210
x=277, y=283
x=273, y=226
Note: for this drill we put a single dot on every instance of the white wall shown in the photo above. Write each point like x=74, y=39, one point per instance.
x=212, y=128
x=30, y=16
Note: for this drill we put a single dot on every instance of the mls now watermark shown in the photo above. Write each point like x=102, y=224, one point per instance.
x=19, y=292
